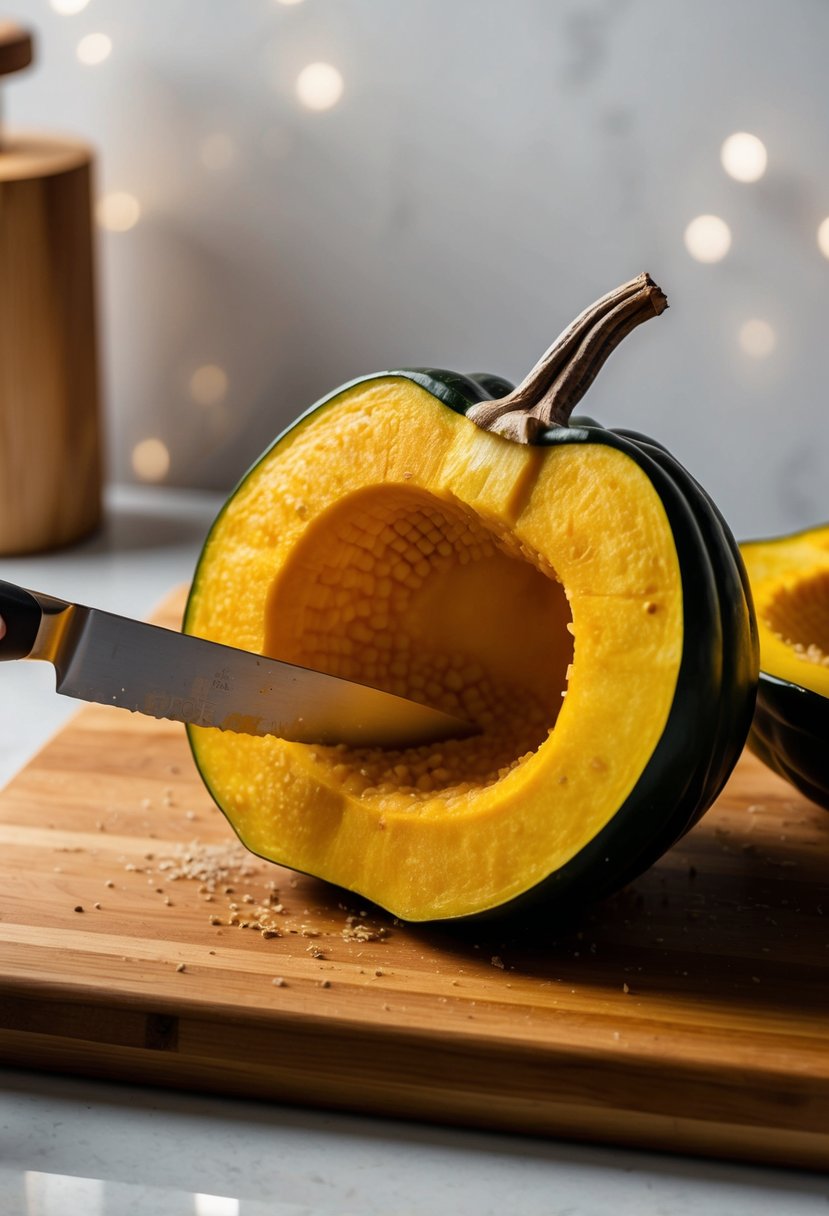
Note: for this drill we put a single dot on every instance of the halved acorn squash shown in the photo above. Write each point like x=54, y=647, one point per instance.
x=790, y=580
x=569, y=588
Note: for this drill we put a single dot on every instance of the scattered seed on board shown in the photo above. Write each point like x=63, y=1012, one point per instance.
x=181, y=967
x=79, y=907
x=279, y=982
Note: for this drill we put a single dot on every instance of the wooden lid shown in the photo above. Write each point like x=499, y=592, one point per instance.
x=15, y=47
x=24, y=156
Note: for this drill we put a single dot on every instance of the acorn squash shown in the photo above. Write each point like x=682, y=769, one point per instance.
x=569, y=588
x=790, y=580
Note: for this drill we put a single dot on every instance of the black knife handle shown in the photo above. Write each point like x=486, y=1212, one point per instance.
x=21, y=613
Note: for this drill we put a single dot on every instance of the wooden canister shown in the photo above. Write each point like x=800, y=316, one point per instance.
x=50, y=448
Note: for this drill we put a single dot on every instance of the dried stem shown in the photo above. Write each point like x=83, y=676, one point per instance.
x=554, y=387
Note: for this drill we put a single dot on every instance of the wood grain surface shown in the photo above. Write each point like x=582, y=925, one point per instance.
x=50, y=445
x=688, y=1013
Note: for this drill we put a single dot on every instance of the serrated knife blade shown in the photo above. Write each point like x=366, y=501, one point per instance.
x=114, y=660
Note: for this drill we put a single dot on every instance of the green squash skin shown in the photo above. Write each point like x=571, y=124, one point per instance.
x=790, y=734
x=741, y=645
x=709, y=717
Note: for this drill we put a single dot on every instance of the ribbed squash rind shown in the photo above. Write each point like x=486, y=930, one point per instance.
x=790, y=734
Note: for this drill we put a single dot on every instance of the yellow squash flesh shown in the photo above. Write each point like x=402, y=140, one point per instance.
x=390, y=540
x=790, y=583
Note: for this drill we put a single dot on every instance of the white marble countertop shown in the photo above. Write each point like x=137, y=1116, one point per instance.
x=76, y=1148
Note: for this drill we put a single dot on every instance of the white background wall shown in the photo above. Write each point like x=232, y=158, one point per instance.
x=491, y=167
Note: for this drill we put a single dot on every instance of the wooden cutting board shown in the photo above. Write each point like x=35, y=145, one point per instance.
x=689, y=1013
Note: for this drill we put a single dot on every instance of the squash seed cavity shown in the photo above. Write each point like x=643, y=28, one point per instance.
x=422, y=597
x=799, y=615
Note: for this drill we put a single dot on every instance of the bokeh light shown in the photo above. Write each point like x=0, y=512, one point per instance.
x=151, y=460
x=319, y=86
x=744, y=157
x=708, y=238
x=757, y=338
x=208, y=384
x=118, y=211
x=215, y=1205
x=68, y=8
x=94, y=48
x=823, y=238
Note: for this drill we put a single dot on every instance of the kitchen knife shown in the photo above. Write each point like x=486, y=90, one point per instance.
x=117, y=661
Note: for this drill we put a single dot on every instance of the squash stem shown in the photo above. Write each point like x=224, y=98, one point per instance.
x=563, y=374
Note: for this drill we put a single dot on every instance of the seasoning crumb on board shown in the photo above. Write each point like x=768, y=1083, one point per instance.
x=357, y=931
x=220, y=870
x=279, y=982
x=78, y=907
x=181, y=967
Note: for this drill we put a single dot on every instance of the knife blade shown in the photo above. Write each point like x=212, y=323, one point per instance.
x=114, y=660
